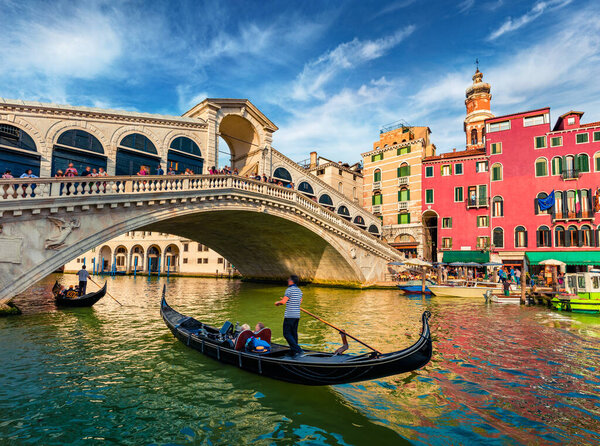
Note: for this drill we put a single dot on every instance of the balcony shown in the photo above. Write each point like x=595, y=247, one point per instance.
x=403, y=205
x=572, y=215
x=478, y=202
x=402, y=181
x=571, y=174
x=376, y=185
x=377, y=209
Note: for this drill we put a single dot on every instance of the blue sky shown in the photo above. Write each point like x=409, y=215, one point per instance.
x=328, y=73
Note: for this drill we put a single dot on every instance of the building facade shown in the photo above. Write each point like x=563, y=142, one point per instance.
x=392, y=184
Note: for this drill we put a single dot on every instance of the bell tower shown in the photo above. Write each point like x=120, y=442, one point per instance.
x=478, y=110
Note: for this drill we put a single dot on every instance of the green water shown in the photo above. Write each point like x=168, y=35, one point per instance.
x=501, y=374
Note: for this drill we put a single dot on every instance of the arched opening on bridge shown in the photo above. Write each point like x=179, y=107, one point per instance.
x=17, y=151
x=326, y=201
x=373, y=229
x=153, y=259
x=185, y=154
x=242, y=139
x=121, y=258
x=344, y=212
x=105, y=259
x=430, y=233
x=80, y=148
x=360, y=222
x=171, y=262
x=136, y=262
x=306, y=189
x=282, y=174
x=135, y=151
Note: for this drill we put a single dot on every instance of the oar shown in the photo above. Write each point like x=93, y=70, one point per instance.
x=340, y=330
x=109, y=295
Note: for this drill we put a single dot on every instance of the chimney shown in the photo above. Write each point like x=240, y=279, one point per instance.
x=313, y=159
x=454, y=150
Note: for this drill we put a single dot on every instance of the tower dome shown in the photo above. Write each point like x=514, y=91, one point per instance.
x=478, y=103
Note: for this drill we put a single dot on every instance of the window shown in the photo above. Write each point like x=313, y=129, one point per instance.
x=498, y=235
x=596, y=136
x=496, y=148
x=220, y=260
x=540, y=196
x=559, y=236
x=540, y=142
x=585, y=236
x=404, y=170
x=404, y=195
x=497, y=172
x=354, y=194
x=447, y=222
x=541, y=167
x=377, y=199
x=446, y=242
x=528, y=121
x=186, y=247
x=482, y=221
x=597, y=162
x=403, y=150
x=458, y=169
x=583, y=161
x=582, y=138
x=199, y=247
x=498, y=126
x=185, y=260
x=404, y=218
x=377, y=157
x=571, y=202
x=429, y=172
x=483, y=242
x=446, y=170
x=477, y=196
x=199, y=260
x=429, y=196
x=138, y=142
x=570, y=121
x=473, y=136
x=572, y=236
x=556, y=141
x=340, y=188
x=520, y=237
x=498, y=207
x=377, y=175
x=481, y=166
x=458, y=194
x=543, y=237
x=557, y=165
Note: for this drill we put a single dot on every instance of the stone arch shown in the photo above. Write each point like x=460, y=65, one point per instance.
x=170, y=137
x=125, y=130
x=243, y=135
x=62, y=126
x=105, y=258
x=136, y=251
x=171, y=258
x=121, y=257
x=36, y=135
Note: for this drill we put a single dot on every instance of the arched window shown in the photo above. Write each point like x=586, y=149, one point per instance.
x=306, y=189
x=571, y=204
x=586, y=236
x=80, y=148
x=544, y=237
x=404, y=170
x=186, y=145
x=18, y=161
x=497, y=172
x=541, y=167
x=80, y=139
x=474, y=136
x=558, y=204
x=359, y=221
x=138, y=142
x=354, y=194
x=373, y=230
x=569, y=168
x=572, y=236
x=326, y=201
x=135, y=151
x=340, y=188
x=536, y=204
x=498, y=237
x=185, y=154
x=377, y=198
x=377, y=175
x=585, y=204
x=497, y=207
x=557, y=165
x=344, y=212
x=520, y=237
x=597, y=161
x=282, y=175
x=559, y=237
x=583, y=162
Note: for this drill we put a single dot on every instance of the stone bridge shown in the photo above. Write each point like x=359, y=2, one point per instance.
x=266, y=231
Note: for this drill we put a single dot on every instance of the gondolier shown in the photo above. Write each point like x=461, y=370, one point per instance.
x=83, y=277
x=292, y=300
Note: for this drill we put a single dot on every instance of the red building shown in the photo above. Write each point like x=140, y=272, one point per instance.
x=479, y=202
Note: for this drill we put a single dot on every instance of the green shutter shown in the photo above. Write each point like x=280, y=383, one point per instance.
x=584, y=163
x=540, y=169
x=598, y=164
x=377, y=175
x=404, y=218
x=429, y=196
x=398, y=172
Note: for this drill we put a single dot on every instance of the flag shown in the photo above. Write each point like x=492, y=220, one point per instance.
x=577, y=202
x=546, y=203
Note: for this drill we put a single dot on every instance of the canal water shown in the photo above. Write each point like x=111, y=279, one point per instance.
x=500, y=374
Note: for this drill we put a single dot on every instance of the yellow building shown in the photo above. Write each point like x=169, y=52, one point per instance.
x=345, y=178
x=392, y=183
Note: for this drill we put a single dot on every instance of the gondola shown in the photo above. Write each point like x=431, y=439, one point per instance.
x=87, y=300
x=312, y=368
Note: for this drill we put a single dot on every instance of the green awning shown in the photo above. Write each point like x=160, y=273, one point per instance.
x=568, y=257
x=466, y=256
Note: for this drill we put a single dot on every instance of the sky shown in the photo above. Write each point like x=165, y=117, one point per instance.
x=329, y=74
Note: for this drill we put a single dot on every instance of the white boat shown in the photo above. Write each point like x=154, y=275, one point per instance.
x=499, y=299
x=477, y=290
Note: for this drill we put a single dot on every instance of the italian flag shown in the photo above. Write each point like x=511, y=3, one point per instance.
x=577, y=202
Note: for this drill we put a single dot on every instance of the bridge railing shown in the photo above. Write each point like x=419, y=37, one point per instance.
x=34, y=190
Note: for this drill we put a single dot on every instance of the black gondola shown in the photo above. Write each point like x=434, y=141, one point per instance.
x=87, y=300
x=312, y=368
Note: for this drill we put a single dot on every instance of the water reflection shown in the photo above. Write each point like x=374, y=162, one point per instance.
x=500, y=373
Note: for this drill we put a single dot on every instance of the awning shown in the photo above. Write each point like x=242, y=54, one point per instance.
x=568, y=257
x=466, y=256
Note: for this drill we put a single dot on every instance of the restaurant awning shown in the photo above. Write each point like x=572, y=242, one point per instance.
x=568, y=257
x=466, y=256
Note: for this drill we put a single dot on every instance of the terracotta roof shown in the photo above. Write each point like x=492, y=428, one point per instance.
x=591, y=124
x=451, y=155
x=516, y=114
x=572, y=112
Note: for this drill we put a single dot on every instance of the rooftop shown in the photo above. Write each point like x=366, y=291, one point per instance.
x=456, y=154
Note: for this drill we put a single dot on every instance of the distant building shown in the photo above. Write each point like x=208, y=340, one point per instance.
x=144, y=251
x=392, y=184
x=345, y=178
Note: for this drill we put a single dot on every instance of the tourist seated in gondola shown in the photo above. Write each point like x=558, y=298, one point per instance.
x=258, y=341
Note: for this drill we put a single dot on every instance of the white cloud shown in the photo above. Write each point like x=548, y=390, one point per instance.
x=395, y=6
x=538, y=9
x=187, y=97
x=465, y=5
x=346, y=56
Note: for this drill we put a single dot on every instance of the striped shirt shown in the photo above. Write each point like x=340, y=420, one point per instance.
x=292, y=306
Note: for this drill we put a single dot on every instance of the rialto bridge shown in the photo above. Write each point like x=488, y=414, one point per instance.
x=266, y=231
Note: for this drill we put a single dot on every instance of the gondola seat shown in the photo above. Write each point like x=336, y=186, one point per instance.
x=242, y=338
x=264, y=334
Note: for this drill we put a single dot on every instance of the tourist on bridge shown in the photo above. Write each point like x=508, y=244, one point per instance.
x=29, y=174
x=71, y=171
x=87, y=172
x=292, y=300
x=159, y=170
x=83, y=277
x=7, y=175
x=102, y=172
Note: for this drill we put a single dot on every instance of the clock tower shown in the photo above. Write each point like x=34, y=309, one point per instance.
x=478, y=110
